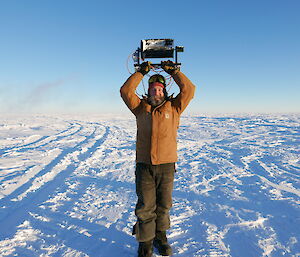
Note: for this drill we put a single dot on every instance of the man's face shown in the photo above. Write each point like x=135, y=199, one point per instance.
x=156, y=91
x=156, y=95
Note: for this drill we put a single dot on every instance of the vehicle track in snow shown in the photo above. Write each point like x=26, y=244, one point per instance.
x=16, y=206
x=45, y=144
x=72, y=128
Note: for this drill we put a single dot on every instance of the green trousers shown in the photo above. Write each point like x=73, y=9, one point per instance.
x=154, y=186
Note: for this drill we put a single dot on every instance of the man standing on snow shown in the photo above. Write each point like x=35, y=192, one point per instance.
x=157, y=117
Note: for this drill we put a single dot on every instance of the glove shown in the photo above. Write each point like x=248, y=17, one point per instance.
x=145, y=67
x=170, y=67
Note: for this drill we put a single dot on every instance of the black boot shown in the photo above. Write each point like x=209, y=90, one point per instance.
x=145, y=249
x=161, y=243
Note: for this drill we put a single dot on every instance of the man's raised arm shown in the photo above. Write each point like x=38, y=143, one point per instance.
x=187, y=91
x=187, y=88
x=128, y=91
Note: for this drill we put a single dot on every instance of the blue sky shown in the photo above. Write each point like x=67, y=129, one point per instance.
x=70, y=56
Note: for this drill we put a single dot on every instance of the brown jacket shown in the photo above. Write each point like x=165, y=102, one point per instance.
x=157, y=129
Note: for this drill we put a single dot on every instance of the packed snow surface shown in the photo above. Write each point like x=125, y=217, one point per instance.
x=67, y=186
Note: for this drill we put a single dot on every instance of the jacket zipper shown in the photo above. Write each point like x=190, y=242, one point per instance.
x=152, y=114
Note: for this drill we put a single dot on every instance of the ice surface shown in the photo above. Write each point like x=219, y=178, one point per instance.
x=67, y=186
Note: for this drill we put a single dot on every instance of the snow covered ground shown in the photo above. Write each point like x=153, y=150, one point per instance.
x=67, y=186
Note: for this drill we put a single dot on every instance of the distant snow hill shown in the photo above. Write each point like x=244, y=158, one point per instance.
x=67, y=186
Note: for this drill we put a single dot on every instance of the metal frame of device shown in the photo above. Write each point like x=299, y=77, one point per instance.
x=156, y=48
